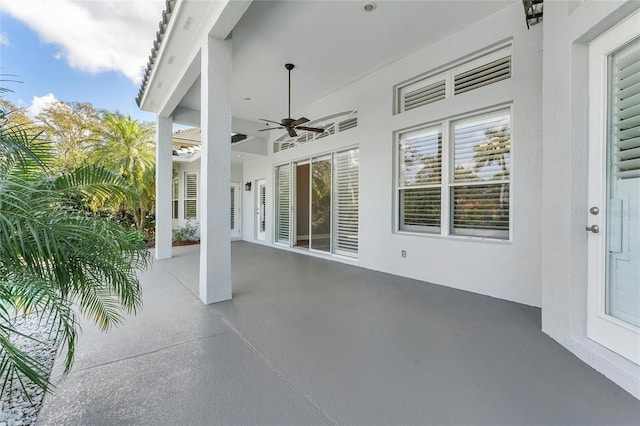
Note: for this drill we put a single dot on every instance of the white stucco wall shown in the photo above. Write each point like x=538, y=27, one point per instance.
x=568, y=29
x=508, y=270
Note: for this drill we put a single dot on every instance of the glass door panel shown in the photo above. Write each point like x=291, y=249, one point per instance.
x=321, y=204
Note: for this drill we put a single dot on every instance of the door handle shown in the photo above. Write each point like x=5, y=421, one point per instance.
x=593, y=228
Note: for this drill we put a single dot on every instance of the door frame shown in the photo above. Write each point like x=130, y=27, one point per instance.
x=616, y=335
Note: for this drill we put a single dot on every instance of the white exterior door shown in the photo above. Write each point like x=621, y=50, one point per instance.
x=261, y=209
x=235, y=210
x=614, y=190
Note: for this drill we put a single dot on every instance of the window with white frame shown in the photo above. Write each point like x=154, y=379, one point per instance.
x=480, y=70
x=420, y=180
x=174, y=196
x=190, y=195
x=472, y=199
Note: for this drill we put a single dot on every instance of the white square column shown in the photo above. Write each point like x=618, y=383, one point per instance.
x=215, y=171
x=164, y=175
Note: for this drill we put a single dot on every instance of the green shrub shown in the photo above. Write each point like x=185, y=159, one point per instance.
x=185, y=233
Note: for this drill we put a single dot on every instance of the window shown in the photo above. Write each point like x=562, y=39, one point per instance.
x=481, y=169
x=190, y=195
x=317, y=203
x=283, y=195
x=472, y=199
x=332, y=124
x=420, y=180
x=346, y=183
x=480, y=70
x=174, y=197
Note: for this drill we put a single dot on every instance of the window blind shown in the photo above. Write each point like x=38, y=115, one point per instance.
x=283, y=194
x=483, y=75
x=420, y=155
x=233, y=208
x=346, y=195
x=190, y=195
x=423, y=95
x=263, y=202
x=480, y=188
x=626, y=107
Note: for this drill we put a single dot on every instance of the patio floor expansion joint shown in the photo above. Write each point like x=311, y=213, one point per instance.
x=330, y=420
x=186, y=342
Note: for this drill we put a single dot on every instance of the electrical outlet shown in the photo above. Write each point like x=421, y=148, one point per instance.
x=404, y=253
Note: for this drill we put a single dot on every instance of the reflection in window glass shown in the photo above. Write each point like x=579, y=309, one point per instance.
x=482, y=162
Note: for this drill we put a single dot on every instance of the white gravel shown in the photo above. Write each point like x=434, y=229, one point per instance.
x=16, y=409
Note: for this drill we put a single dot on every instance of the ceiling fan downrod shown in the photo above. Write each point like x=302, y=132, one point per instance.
x=289, y=67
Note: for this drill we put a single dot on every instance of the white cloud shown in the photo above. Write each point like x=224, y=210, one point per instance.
x=4, y=39
x=38, y=104
x=95, y=35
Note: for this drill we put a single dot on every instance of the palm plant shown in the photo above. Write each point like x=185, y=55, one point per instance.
x=56, y=256
x=127, y=147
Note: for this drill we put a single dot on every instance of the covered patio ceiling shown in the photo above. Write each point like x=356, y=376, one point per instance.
x=331, y=43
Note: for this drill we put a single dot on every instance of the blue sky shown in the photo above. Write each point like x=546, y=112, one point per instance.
x=52, y=62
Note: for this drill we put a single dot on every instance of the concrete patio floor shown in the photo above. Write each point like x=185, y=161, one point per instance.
x=311, y=341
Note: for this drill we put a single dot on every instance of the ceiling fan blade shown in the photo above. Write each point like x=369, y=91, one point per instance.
x=271, y=121
x=310, y=129
x=292, y=132
x=270, y=128
x=300, y=121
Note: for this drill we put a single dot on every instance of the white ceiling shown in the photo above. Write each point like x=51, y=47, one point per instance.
x=332, y=44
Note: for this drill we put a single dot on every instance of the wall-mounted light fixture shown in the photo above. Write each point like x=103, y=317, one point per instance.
x=247, y=186
x=533, y=10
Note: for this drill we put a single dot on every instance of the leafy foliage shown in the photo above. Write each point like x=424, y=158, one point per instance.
x=55, y=253
x=71, y=128
x=127, y=147
x=185, y=233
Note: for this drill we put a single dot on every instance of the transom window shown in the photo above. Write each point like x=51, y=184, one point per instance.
x=454, y=177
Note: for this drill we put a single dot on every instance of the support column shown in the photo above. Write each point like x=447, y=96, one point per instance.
x=215, y=171
x=164, y=175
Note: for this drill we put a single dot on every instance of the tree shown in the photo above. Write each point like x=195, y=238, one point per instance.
x=15, y=115
x=71, y=128
x=55, y=255
x=494, y=150
x=127, y=147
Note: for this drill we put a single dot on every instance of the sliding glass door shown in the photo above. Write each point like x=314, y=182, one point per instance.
x=321, y=204
x=317, y=203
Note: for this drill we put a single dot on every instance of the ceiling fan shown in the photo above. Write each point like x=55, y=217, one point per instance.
x=289, y=123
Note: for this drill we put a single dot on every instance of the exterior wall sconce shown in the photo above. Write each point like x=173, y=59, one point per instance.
x=532, y=11
x=247, y=186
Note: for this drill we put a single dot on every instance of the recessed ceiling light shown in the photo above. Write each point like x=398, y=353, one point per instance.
x=369, y=6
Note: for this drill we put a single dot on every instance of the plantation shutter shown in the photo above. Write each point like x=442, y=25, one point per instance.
x=233, y=208
x=480, y=192
x=626, y=107
x=190, y=195
x=283, y=200
x=263, y=212
x=483, y=75
x=423, y=95
x=346, y=195
x=420, y=156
